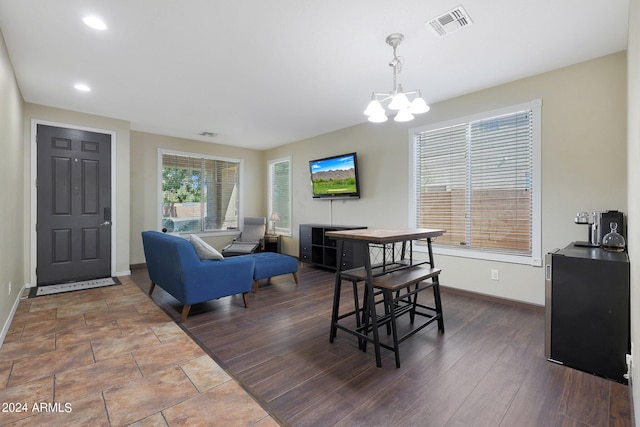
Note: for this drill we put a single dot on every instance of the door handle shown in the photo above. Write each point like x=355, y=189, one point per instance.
x=105, y=224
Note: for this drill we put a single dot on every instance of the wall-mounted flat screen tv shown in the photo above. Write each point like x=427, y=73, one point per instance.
x=335, y=177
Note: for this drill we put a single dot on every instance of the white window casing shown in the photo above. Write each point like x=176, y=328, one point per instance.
x=478, y=177
x=279, y=195
x=198, y=193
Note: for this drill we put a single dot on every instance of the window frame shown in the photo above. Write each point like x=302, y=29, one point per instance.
x=229, y=232
x=270, y=165
x=535, y=259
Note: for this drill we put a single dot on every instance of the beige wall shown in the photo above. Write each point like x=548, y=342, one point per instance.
x=144, y=183
x=633, y=160
x=121, y=218
x=11, y=175
x=583, y=167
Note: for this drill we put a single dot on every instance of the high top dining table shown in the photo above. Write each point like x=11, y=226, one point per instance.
x=394, y=269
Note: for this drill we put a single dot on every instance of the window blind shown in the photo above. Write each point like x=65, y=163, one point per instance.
x=474, y=180
x=280, y=193
x=441, y=173
x=199, y=194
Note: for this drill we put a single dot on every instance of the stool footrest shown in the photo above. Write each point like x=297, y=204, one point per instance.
x=360, y=273
x=400, y=279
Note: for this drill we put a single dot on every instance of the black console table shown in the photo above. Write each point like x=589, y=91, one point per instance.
x=321, y=251
x=272, y=243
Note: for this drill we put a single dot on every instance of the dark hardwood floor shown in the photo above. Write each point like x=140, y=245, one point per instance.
x=487, y=369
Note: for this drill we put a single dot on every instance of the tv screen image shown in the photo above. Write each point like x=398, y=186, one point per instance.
x=335, y=177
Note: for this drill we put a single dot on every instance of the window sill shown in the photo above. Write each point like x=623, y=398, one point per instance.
x=482, y=255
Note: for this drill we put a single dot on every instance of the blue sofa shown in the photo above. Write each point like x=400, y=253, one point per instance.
x=173, y=265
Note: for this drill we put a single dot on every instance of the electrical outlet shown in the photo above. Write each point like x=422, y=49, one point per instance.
x=9, y=288
x=495, y=275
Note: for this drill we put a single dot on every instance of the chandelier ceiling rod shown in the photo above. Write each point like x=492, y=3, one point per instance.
x=394, y=40
x=399, y=100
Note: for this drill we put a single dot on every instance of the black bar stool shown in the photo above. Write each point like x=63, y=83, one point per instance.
x=397, y=303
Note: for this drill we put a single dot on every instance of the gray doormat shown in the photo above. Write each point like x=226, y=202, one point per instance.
x=44, y=290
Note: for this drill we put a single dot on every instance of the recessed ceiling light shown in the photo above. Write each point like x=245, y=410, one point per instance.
x=95, y=22
x=82, y=87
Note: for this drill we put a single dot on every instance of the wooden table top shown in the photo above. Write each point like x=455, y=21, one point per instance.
x=385, y=235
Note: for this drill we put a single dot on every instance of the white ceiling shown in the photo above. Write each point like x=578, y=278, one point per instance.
x=265, y=73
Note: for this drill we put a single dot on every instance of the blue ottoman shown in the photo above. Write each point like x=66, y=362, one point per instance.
x=269, y=264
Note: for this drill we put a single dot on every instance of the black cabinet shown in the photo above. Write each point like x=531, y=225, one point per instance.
x=321, y=251
x=587, y=310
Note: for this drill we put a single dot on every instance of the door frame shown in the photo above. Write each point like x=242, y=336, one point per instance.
x=33, y=252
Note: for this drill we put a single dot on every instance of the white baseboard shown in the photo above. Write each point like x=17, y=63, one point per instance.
x=5, y=327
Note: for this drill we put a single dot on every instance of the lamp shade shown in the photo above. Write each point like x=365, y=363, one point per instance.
x=374, y=108
x=418, y=106
x=274, y=217
x=399, y=101
x=403, y=115
x=378, y=118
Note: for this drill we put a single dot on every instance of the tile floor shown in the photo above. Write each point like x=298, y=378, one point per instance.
x=111, y=357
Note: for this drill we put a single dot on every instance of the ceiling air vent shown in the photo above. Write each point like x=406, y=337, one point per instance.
x=449, y=22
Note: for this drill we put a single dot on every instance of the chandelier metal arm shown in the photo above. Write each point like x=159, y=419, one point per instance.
x=389, y=95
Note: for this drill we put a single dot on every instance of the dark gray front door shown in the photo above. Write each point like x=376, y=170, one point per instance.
x=74, y=205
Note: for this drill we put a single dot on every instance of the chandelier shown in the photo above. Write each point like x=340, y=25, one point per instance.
x=398, y=97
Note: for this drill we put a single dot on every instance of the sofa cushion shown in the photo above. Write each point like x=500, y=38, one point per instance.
x=203, y=249
x=269, y=264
